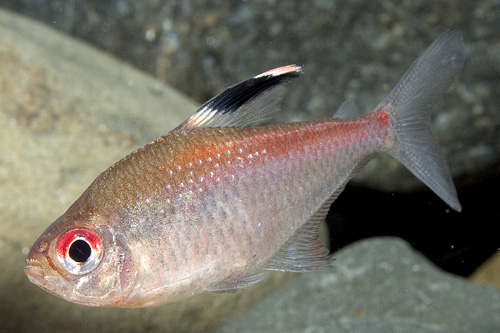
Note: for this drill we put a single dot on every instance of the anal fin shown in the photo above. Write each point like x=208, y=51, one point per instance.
x=304, y=251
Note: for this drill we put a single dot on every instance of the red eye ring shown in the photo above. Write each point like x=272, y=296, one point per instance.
x=68, y=238
x=84, y=239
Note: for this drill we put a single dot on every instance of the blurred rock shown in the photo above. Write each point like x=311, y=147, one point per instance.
x=350, y=50
x=488, y=272
x=377, y=285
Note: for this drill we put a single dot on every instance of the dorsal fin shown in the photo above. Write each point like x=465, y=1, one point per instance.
x=244, y=103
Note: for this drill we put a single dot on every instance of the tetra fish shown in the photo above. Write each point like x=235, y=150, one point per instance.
x=213, y=203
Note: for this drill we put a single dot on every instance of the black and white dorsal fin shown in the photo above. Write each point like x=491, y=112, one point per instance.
x=245, y=103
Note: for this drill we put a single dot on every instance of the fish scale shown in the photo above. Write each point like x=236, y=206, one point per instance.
x=278, y=148
x=261, y=166
x=213, y=203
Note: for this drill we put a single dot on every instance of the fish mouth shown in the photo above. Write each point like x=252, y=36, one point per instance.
x=32, y=265
x=34, y=271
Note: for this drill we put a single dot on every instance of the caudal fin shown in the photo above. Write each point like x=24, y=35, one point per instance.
x=410, y=103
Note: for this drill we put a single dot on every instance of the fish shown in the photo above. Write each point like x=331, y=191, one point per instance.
x=220, y=199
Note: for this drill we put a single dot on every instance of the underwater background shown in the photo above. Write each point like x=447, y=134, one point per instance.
x=404, y=260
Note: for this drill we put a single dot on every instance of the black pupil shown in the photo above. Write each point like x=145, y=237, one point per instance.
x=80, y=251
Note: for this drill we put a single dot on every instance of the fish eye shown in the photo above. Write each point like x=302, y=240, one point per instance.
x=79, y=251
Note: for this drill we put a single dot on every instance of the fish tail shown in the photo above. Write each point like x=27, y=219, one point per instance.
x=409, y=105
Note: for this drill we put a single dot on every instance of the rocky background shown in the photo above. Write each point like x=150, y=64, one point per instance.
x=349, y=49
x=67, y=114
